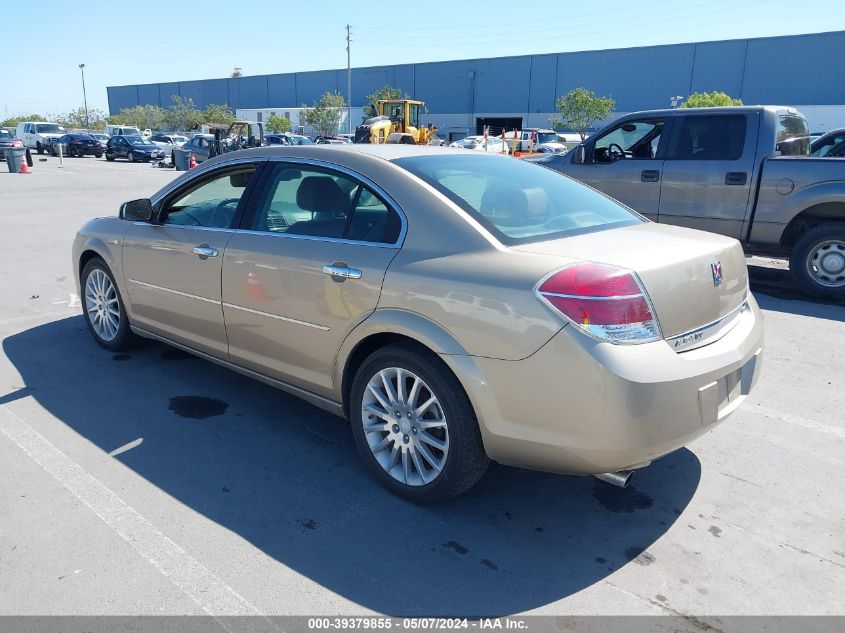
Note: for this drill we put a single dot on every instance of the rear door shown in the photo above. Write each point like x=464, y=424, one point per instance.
x=172, y=268
x=306, y=269
x=626, y=163
x=708, y=171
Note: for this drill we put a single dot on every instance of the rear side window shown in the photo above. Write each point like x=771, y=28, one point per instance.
x=319, y=202
x=793, y=136
x=516, y=201
x=709, y=138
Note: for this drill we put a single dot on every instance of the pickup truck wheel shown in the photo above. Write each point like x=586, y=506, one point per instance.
x=818, y=260
x=38, y=147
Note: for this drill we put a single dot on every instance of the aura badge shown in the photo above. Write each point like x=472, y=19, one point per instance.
x=716, y=269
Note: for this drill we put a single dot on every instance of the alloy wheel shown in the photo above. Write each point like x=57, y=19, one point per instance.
x=101, y=305
x=405, y=426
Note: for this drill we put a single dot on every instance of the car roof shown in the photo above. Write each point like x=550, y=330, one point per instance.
x=389, y=151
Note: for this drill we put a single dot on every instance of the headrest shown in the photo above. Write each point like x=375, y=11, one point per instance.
x=521, y=203
x=321, y=194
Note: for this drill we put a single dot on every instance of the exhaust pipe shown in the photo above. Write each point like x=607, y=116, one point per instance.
x=620, y=478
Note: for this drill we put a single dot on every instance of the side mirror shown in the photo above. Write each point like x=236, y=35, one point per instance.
x=140, y=210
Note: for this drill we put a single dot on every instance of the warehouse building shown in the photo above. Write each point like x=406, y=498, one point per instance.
x=464, y=95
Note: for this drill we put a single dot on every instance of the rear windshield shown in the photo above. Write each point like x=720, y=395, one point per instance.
x=793, y=137
x=6, y=134
x=516, y=201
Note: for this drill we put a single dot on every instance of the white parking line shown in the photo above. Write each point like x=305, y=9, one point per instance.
x=797, y=420
x=202, y=586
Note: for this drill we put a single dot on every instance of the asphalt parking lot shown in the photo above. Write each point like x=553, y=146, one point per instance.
x=120, y=498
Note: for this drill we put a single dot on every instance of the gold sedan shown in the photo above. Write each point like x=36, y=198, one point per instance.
x=456, y=306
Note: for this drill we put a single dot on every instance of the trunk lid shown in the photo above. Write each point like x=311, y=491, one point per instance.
x=676, y=266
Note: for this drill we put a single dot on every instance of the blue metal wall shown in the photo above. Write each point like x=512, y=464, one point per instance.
x=789, y=70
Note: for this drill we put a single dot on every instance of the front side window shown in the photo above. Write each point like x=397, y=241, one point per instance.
x=516, y=201
x=322, y=203
x=213, y=203
x=48, y=128
x=719, y=137
x=631, y=140
x=793, y=136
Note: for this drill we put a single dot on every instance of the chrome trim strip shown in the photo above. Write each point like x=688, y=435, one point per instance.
x=590, y=298
x=187, y=226
x=175, y=292
x=720, y=327
x=316, y=238
x=276, y=316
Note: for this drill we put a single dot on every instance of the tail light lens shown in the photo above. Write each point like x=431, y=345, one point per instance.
x=604, y=301
x=17, y=143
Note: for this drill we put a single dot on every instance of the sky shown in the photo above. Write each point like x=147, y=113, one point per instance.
x=152, y=41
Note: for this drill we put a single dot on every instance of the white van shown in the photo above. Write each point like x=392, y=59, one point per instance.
x=37, y=134
x=122, y=130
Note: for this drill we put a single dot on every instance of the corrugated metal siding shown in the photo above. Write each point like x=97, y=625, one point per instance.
x=793, y=70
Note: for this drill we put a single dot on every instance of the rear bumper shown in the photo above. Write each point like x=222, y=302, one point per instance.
x=585, y=407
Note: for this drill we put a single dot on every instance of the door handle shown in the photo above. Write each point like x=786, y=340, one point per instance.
x=205, y=251
x=650, y=175
x=736, y=178
x=342, y=271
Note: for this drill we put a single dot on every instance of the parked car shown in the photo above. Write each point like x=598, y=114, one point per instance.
x=331, y=140
x=200, y=145
x=133, y=148
x=299, y=139
x=37, y=134
x=77, y=145
x=457, y=307
x=103, y=138
x=122, y=130
x=830, y=144
x=477, y=143
x=738, y=171
x=7, y=140
x=169, y=142
x=530, y=137
x=277, y=139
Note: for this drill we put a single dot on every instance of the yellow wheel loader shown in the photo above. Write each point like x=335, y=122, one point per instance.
x=398, y=121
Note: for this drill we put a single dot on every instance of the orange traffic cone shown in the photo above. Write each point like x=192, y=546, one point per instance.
x=193, y=161
x=24, y=168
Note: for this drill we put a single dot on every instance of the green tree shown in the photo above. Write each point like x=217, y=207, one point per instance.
x=385, y=93
x=13, y=121
x=279, y=124
x=221, y=114
x=579, y=109
x=713, y=99
x=141, y=116
x=325, y=115
x=182, y=115
x=76, y=119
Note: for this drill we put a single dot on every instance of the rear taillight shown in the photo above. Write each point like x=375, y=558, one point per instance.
x=606, y=302
x=17, y=143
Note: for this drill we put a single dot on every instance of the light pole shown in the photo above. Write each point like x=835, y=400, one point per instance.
x=84, y=97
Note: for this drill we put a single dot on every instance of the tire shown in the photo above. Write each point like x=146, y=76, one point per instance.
x=98, y=155
x=818, y=260
x=38, y=147
x=109, y=157
x=173, y=158
x=106, y=334
x=53, y=151
x=450, y=421
x=130, y=157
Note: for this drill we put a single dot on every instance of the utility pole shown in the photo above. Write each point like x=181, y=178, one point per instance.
x=84, y=97
x=348, y=81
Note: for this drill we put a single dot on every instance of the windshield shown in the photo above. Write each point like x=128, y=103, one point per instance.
x=137, y=140
x=516, y=201
x=179, y=139
x=301, y=140
x=47, y=128
x=547, y=137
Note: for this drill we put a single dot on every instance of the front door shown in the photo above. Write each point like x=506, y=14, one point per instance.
x=172, y=267
x=308, y=269
x=626, y=163
x=708, y=171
